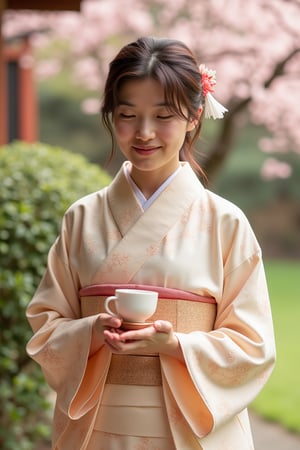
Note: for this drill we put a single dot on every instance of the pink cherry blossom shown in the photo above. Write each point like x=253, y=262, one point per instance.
x=253, y=46
x=273, y=168
x=47, y=69
x=90, y=106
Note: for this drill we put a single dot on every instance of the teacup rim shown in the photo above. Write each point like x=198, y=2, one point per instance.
x=135, y=291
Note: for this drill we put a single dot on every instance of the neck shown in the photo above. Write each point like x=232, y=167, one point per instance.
x=148, y=182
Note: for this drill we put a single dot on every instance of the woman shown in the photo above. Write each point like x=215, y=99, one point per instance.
x=185, y=381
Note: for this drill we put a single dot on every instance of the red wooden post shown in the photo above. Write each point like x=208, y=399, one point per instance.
x=19, y=116
x=24, y=112
x=28, y=105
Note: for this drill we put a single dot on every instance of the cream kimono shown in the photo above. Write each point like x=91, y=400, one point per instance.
x=189, y=240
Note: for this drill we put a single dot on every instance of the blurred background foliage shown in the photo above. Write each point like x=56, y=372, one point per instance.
x=38, y=183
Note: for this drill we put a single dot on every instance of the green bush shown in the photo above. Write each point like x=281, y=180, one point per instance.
x=38, y=183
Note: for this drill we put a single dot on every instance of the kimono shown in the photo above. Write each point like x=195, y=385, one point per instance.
x=199, y=252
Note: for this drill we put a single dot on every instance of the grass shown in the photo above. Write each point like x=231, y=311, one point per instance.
x=280, y=399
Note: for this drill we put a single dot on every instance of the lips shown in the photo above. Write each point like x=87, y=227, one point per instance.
x=144, y=150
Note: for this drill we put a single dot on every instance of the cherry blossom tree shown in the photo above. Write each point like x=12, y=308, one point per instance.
x=254, y=47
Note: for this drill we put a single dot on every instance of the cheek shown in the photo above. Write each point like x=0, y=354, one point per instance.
x=174, y=133
x=167, y=132
x=122, y=131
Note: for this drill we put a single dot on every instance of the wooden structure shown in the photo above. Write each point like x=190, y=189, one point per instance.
x=18, y=103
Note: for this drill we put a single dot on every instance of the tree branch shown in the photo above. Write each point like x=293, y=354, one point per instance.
x=228, y=132
x=279, y=68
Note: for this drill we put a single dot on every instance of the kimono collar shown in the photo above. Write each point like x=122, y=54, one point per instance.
x=126, y=208
x=144, y=202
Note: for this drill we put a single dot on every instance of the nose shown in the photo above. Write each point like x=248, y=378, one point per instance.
x=145, y=130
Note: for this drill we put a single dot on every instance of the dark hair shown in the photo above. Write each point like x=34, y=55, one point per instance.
x=173, y=65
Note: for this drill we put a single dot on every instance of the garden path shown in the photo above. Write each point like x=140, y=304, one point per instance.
x=271, y=436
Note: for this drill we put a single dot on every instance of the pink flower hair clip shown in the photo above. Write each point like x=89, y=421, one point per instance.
x=212, y=107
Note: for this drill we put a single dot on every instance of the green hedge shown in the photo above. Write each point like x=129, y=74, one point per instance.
x=38, y=183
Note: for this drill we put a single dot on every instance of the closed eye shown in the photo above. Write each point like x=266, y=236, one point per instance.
x=165, y=117
x=127, y=116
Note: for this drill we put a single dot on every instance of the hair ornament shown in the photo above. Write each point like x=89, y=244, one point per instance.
x=212, y=107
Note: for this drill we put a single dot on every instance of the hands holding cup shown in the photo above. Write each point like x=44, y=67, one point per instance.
x=135, y=335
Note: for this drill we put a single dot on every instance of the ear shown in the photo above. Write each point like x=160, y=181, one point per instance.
x=193, y=122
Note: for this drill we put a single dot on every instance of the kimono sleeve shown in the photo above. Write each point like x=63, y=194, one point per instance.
x=61, y=340
x=226, y=368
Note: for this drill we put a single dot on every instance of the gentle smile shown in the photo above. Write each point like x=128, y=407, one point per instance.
x=144, y=150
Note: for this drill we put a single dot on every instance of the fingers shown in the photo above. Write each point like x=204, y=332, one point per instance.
x=157, y=338
x=106, y=320
x=154, y=338
x=113, y=339
x=162, y=326
x=103, y=322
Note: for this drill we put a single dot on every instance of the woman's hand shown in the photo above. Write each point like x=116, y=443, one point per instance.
x=157, y=338
x=103, y=322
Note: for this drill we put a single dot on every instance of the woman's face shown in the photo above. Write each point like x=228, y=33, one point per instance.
x=149, y=135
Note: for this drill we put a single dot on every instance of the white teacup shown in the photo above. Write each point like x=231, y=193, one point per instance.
x=132, y=305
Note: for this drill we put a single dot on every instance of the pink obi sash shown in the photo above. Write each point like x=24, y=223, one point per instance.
x=185, y=310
